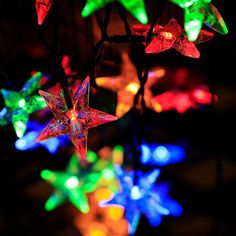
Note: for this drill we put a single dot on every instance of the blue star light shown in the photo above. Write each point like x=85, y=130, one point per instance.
x=139, y=195
x=27, y=142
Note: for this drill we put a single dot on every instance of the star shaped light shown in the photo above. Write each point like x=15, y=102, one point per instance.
x=126, y=85
x=42, y=8
x=138, y=195
x=101, y=220
x=20, y=104
x=134, y=7
x=27, y=142
x=197, y=12
x=73, y=121
x=183, y=101
x=172, y=36
x=106, y=169
x=73, y=184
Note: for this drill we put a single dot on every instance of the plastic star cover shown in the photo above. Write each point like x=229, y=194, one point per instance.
x=74, y=121
x=198, y=12
x=42, y=8
x=134, y=7
x=139, y=195
x=172, y=36
x=72, y=184
x=20, y=104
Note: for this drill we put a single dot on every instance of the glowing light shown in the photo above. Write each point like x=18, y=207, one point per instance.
x=102, y=194
x=182, y=101
x=158, y=72
x=142, y=198
x=198, y=12
x=72, y=182
x=65, y=63
x=203, y=96
x=127, y=84
x=51, y=145
x=173, y=36
x=20, y=144
x=20, y=104
x=167, y=35
x=132, y=88
x=135, y=193
x=20, y=128
x=118, y=154
x=74, y=122
x=115, y=212
x=97, y=229
x=134, y=7
x=108, y=174
x=23, y=143
x=122, y=229
x=27, y=142
x=122, y=109
x=175, y=209
x=42, y=8
x=72, y=114
x=105, y=168
x=157, y=107
x=145, y=153
x=3, y=112
x=161, y=154
x=193, y=28
x=91, y=156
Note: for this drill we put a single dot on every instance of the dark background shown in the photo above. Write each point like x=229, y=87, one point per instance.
x=204, y=183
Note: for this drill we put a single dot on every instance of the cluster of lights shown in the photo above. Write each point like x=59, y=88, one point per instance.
x=135, y=7
x=196, y=13
x=102, y=221
x=182, y=101
x=137, y=192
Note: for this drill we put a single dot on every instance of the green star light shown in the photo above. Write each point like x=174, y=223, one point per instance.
x=197, y=12
x=20, y=104
x=73, y=184
x=135, y=7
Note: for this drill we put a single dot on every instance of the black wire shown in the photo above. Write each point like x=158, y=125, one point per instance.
x=159, y=9
x=125, y=21
x=137, y=124
x=143, y=79
x=103, y=25
x=138, y=52
x=107, y=19
x=134, y=48
x=136, y=42
x=54, y=50
x=58, y=58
